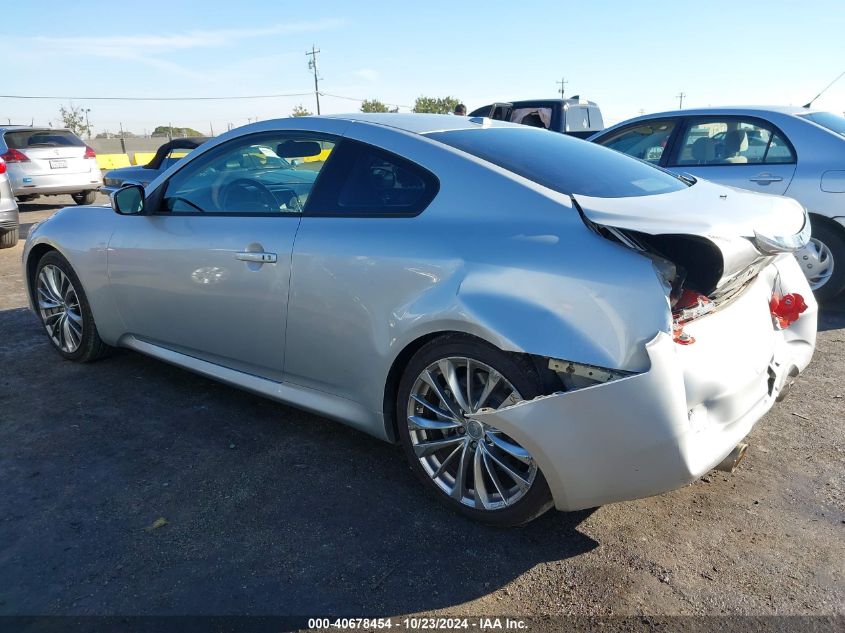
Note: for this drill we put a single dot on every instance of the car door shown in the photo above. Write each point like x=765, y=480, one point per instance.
x=743, y=152
x=207, y=272
x=351, y=268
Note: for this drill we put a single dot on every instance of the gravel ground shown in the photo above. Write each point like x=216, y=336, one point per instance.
x=270, y=510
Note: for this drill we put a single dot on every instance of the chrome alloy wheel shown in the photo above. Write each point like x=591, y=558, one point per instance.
x=473, y=463
x=59, y=307
x=816, y=261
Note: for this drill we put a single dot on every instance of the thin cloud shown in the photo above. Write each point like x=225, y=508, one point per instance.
x=178, y=41
x=367, y=73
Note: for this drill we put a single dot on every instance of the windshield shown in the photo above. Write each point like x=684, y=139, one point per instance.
x=832, y=122
x=561, y=163
x=24, y=139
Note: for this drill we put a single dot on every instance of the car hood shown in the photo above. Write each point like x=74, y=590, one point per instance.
x=744, y=226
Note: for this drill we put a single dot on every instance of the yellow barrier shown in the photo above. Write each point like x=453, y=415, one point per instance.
x=321, y=157
x=112, y=161
x=142, y=158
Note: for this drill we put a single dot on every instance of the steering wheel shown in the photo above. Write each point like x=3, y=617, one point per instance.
x=250, y=190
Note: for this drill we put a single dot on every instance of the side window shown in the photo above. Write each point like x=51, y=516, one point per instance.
x=732, y=142
x=645, y=141
x=779, y=151
x=269, y=173
x=365, y=180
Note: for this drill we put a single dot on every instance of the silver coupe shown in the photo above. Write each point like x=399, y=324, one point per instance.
x=538, y=321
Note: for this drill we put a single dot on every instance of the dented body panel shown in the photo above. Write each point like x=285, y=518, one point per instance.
x=663, y=428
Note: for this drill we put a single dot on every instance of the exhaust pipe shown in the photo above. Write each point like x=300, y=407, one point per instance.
x=730, y=462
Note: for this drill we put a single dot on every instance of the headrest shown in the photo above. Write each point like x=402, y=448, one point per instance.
x=704, y=149
x=735, y=141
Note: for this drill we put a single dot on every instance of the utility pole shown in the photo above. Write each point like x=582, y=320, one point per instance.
x=312, y=65
x=681, y=96
x=87, y=124
x=562, y=83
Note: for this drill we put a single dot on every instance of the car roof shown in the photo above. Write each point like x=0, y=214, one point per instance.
x=420, y=123
x=729, y=110
x=32, y=128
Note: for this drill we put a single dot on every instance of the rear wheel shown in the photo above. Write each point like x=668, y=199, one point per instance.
x=65, y=311
x=84, y=197
x=9, y=238
x=823, y=261
x=476, y=469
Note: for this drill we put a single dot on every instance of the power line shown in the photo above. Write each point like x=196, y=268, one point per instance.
x=276, y=96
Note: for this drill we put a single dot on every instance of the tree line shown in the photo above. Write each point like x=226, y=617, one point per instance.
x=433, y=105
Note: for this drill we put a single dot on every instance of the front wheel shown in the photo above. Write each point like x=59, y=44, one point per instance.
x=84, y=197
x=823, y=261
x=476, y=469
x=64, y=310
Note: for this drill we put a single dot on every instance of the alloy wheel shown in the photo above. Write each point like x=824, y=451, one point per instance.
x=474, y=463
x=58, y=305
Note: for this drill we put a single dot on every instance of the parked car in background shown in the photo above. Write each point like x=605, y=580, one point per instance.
x=165, y=156
x=8, y=210
x=530, y=335
x=575, y=117
x=49, y=161
x=791, y=151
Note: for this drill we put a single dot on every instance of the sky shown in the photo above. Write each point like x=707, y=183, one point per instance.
x=630, y=57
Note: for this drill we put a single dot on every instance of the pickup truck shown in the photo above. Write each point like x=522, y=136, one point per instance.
x=574, y=116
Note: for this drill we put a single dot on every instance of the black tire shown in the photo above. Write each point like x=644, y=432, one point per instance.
x=84, y=197
x=834, y=239
x=521, y=375
x=91, y=346
x=25, y=199
x=9, y=238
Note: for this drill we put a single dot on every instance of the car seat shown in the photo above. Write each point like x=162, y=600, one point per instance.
x=736, y=141
x=704, y=150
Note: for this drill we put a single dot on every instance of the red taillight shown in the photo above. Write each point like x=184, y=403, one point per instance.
x=14, y=156
x=786, y=309
x=90, y=153
x=2, y=166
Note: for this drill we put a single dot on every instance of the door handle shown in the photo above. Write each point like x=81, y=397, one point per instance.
x=765, y=179
x=260, y=257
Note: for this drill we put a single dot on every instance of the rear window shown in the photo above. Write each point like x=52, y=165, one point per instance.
x=832, y=122
x=562, y=163
x=23, y=139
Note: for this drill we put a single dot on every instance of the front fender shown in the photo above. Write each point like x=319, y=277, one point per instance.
x=81, y=235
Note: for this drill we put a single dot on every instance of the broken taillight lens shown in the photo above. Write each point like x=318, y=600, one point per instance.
x=786, y=309
x=689, y=306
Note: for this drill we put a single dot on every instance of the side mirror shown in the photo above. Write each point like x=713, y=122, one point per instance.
x=128, y=200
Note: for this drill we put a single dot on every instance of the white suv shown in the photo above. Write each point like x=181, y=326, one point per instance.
x=48, y=161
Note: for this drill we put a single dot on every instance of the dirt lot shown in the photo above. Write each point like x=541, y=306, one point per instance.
x=271, y=510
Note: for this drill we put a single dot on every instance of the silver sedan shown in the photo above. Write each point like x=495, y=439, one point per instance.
x=537, y=320
x=792, y=151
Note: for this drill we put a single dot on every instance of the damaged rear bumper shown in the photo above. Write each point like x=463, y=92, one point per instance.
x=656, y=431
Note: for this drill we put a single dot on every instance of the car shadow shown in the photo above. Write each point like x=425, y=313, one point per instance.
x=134, y=487
x=832, y=314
